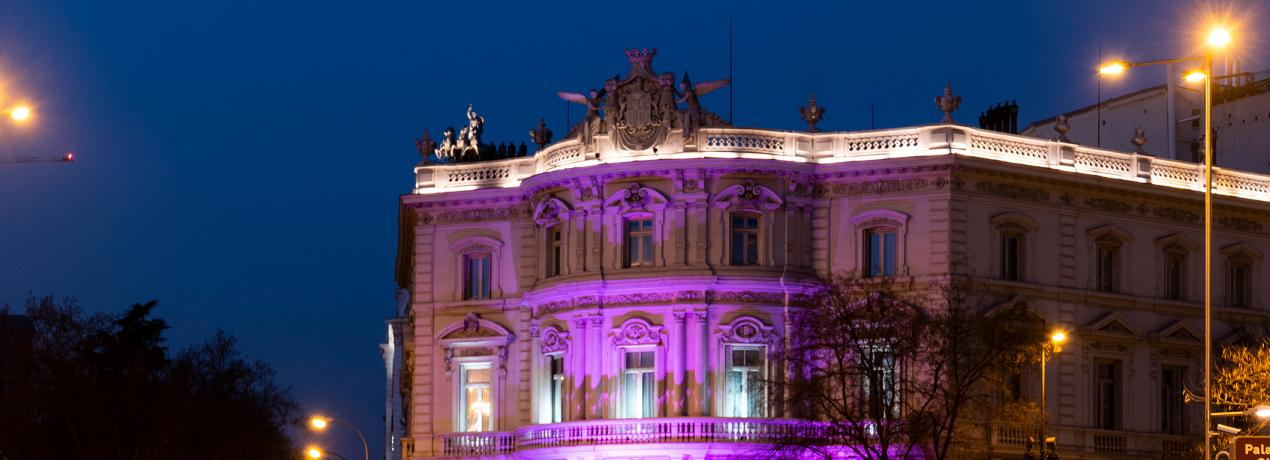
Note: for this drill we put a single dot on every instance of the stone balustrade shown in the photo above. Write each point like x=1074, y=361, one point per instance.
x=824, y=148
x=1003, y=437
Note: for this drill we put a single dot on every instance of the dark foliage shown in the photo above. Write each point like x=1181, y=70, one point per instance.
x=103, y=387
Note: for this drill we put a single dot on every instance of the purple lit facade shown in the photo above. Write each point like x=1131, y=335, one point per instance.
x=619, y=293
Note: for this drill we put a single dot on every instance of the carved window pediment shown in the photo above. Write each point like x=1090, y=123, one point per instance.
x=637, y=331
x=1114, y=325
x=748, y=196
x=551, y=210
x=1179, y=333
x=636, y=197
x=475, y=337
x=554, y=340
x=747, y=329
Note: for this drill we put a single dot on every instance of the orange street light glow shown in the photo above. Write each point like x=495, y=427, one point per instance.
x=20, y=113
x=1058, y=337
x=1113, y=68
x=1218, y=37
x=1262, y=412
x=318, y=423
x=313, y=452
x=1194, y=76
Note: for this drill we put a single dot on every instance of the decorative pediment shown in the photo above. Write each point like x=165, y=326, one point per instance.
x=879, y=218
x=636, y=331
x=748, y=196
x=1241, y=250
x=476, y=244
x=551, y=210
x=1109, y=231
x=554, y=340
x=747, y=329
x=1013, y=221
x=636, y=197
x=1114, y=325
x=1016, y=302
x=1179, y=332
x=473, y=329
x=1241, y=336
x=1176, y=241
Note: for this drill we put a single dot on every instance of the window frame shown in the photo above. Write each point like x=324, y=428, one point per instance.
x=1107, y=257
x=1239, y=288
x=730, y=397
x=746, y=258
x=1176, y=272
x=645, y=373
x=888, y=251
x=470, y=284
x=647, y=237
x=464, y=248
x=461, y=421
x=554, y=250
x=873, y=219
x=1097, y=391
x=1019, y=227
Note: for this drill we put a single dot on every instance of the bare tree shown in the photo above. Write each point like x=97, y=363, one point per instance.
x=887, y=371
x=1241, y=381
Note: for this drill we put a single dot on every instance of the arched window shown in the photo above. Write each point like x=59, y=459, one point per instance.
x=640, y=362
x=745, y=345
x=881, y=235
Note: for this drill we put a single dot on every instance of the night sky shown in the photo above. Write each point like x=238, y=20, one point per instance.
x=241, y=161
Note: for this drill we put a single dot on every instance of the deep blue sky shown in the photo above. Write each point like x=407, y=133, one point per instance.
x=241, y=161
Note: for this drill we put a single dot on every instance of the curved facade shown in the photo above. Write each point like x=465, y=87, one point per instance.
x=600, y=301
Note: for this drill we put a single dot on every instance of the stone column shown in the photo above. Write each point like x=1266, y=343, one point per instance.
x=536, y=389
x=698, y=350
x=577, y=371
x=596, y=396
x=678, y=384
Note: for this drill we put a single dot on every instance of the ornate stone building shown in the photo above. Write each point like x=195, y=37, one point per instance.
x=618, y=293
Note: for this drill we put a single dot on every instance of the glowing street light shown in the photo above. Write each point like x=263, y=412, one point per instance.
x=313, y=452
x=1217, y=38
x=1056, y=340
x=20, y=113
x=1113, y=68
x=320, y=423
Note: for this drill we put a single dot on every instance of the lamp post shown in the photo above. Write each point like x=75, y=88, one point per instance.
x=1054, y=345
x=1217, y=38
x=320, y=423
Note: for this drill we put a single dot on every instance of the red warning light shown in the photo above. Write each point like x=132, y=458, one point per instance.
x=70, y=156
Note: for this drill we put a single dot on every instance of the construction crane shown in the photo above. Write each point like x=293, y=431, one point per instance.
x=68, y=157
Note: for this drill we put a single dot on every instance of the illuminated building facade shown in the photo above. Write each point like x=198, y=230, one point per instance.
x=618, y=294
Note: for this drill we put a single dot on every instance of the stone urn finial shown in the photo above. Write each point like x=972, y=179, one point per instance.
x=812, y=114
x=425, y=144
x=541, y=136
x=1139, y=140
x=1062, y=128
x=948, y=103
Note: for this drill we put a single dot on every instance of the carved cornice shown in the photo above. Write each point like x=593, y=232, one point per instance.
x=669, y=298
x=474, y=215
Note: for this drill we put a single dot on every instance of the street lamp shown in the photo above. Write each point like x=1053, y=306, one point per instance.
x=1218, y=37
x=315, y=452
x=1261, y=412
x=320, y=423
x=1054, y=345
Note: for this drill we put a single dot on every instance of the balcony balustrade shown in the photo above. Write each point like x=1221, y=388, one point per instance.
x=853, y=146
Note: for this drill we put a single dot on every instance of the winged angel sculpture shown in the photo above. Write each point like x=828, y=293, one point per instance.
x=693, y=115
x=593, y=104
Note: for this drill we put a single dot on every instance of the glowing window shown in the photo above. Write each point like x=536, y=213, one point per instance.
x=557, y=388
x=477, y=410
x=745, y=395
x=639, y=384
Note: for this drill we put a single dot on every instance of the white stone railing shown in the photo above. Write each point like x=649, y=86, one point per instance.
x=850, y=146
x=641, y=431
x=1014, y=437
x=474, y=444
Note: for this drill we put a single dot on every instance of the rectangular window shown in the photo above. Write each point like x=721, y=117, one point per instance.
x=1108, y=256
x=1172, y=401
x=745, y=395
x=878, y=384
x=476, y=276
x=1011, y=247
x=1107, y=395
x=557, y=388
x=477, y=411
x=639, y=243
x=639, y=384
x=1174, y=275
x=554, y=251
x=744, y=239
x=1239, y=284
x=879, y=252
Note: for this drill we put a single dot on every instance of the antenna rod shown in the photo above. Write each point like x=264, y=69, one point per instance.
x=731, y=82
x=871, y=107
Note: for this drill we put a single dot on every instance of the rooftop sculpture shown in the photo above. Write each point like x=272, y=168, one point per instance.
x=812, y=114
x=948, y=104
x=640, y=109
